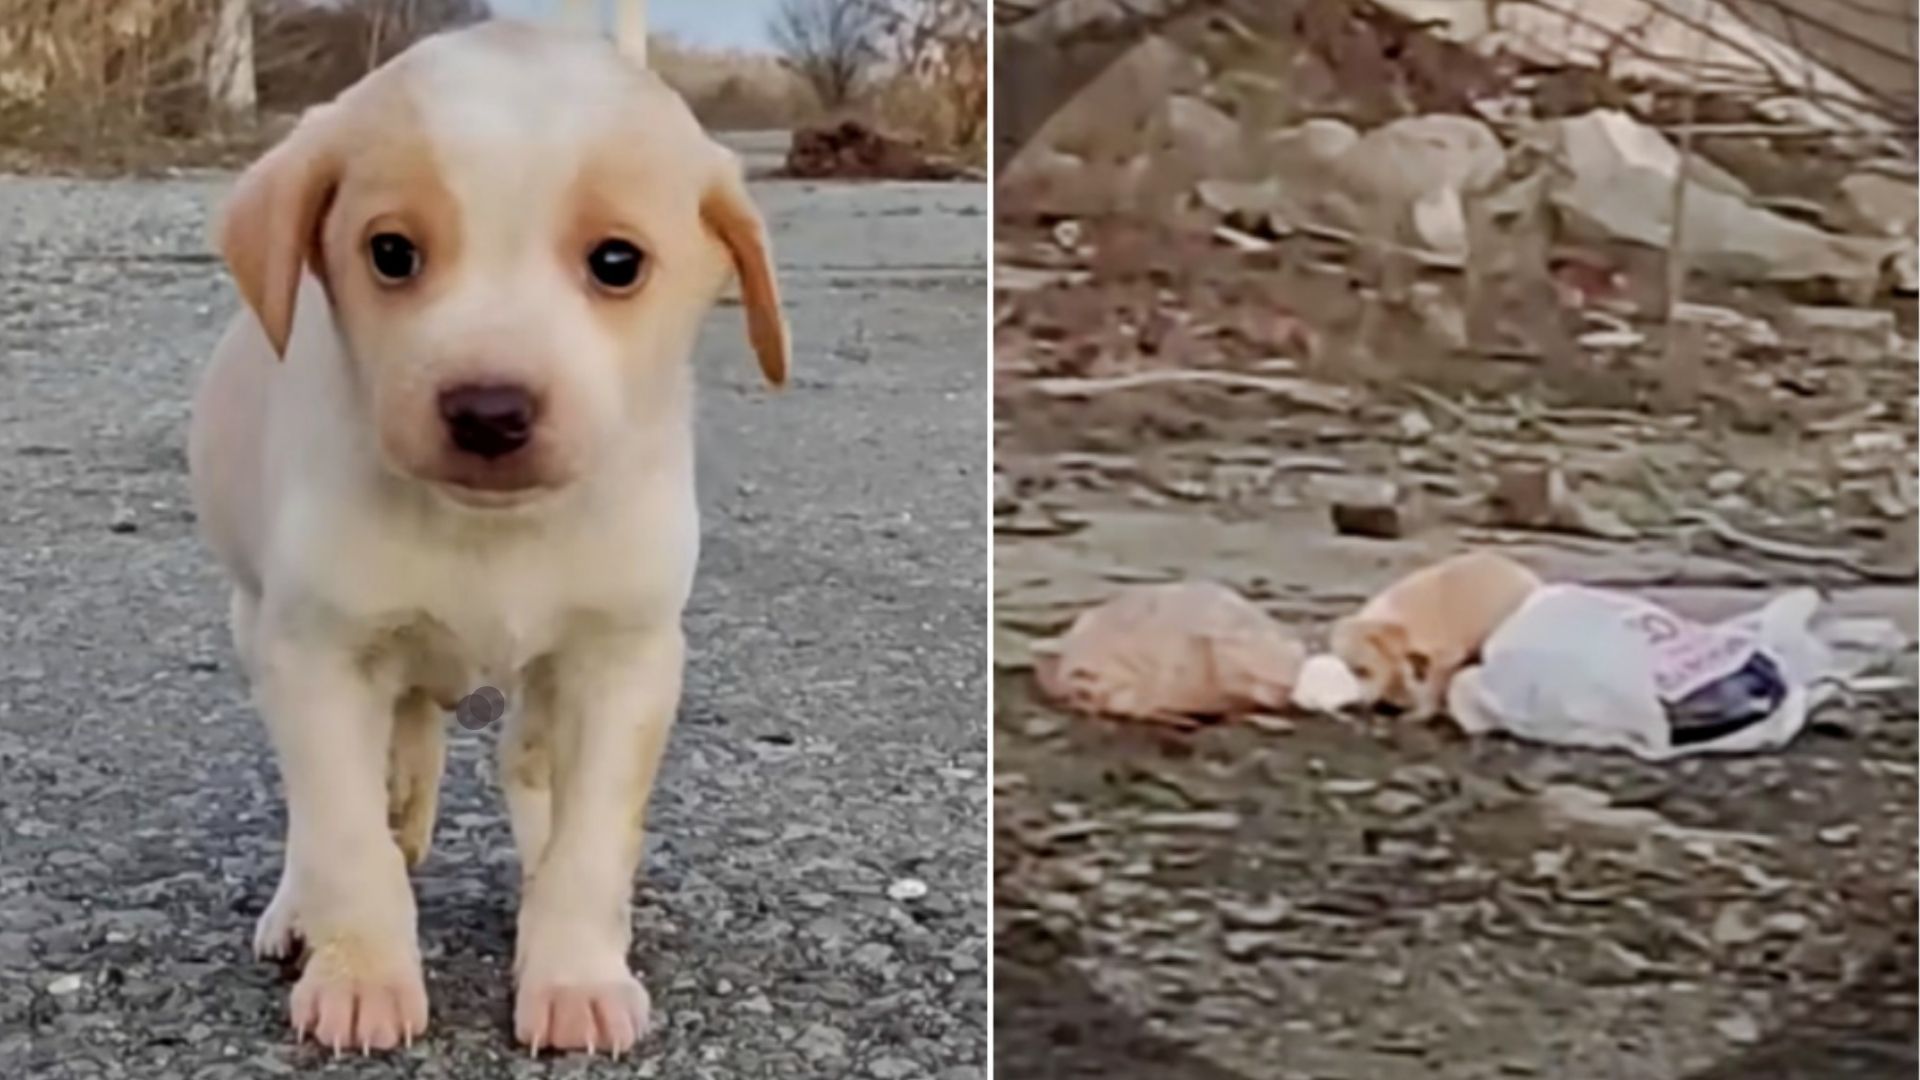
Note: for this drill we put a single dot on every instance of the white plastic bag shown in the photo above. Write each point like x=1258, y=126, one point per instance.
x=1585, y=667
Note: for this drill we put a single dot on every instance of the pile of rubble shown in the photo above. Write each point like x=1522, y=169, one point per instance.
x=853, y=150
x=1419, y=127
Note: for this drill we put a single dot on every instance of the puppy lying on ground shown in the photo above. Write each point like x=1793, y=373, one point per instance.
x=449, y=445
x=1405, y=645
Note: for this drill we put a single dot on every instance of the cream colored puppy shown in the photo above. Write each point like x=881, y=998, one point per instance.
x=1406, y=643
x=449, y=445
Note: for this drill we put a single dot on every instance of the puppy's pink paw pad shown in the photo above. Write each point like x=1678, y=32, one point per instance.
x=605, y=1017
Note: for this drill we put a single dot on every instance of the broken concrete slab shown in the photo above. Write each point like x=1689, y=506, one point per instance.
x=1088, y=157
x=1616, y=188
x=1876, y=204
x=1659, y=42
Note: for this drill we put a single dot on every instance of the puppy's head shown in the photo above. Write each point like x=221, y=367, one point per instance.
x=519, y=233
x=1392, y=674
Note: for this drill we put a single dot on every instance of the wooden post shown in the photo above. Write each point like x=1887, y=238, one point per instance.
x=229, y=71
x=630, y=29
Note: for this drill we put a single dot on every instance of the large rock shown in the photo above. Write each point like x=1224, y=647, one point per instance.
x=1095, y=153
x=1617, y=184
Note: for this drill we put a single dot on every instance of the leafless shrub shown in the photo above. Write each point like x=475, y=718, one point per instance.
x=832, y=44
x=936, y=52
x=84, y=66
x=113, y=83
x=310, y=52
x=733, y=91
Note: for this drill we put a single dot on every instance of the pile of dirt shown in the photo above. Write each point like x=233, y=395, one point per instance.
x=854, y=150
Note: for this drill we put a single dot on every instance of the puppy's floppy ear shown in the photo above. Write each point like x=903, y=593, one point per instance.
x=1388, y=637
x=1383, y=644
x=269, y=228
x=1419, y=664
x=731, y=215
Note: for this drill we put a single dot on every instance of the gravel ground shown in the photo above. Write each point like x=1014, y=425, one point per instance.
x=830, y=744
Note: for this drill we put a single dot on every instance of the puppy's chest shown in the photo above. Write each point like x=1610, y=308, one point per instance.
x=453, y=620
x=456, y=645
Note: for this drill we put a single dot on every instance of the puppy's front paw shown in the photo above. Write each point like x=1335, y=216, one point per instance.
x=355, y=996
x=578, y=998
x=610, y=1015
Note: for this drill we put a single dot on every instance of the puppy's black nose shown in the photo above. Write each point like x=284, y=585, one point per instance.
x=488, y=421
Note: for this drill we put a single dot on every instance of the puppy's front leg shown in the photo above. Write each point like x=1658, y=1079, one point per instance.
x=331, y=720
x=613, y=702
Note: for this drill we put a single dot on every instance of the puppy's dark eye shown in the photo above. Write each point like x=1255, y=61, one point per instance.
x=616, y=264
x=395, y=258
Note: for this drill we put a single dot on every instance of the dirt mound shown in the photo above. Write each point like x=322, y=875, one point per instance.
x=853, y=150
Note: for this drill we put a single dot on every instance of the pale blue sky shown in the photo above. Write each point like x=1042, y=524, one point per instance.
x=727, y=24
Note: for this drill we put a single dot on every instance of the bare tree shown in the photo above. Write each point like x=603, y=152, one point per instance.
x=307, y=52
x=829, y=43
x=392, y=25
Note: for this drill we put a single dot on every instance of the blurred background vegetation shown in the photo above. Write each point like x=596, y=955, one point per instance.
x=127, y=84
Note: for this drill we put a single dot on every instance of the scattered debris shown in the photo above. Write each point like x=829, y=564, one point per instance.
x=1525, y=494
x=1394, y=803
x=1737, y=925
x=1536, y=495
x=1266, y=914
x=1297, y=392
x=1744, y=331
x=1738, y=1028
x=1844, y=334
x=1342, y=787
x=907, y=889
x=1839, y=835
x=1370, y=507
x=1191, y=821
x=1787, y=550
x=1579, y=807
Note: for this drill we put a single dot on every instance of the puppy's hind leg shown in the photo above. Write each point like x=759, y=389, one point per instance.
x=526, y=775
x=415, y=763
x=243, y=610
